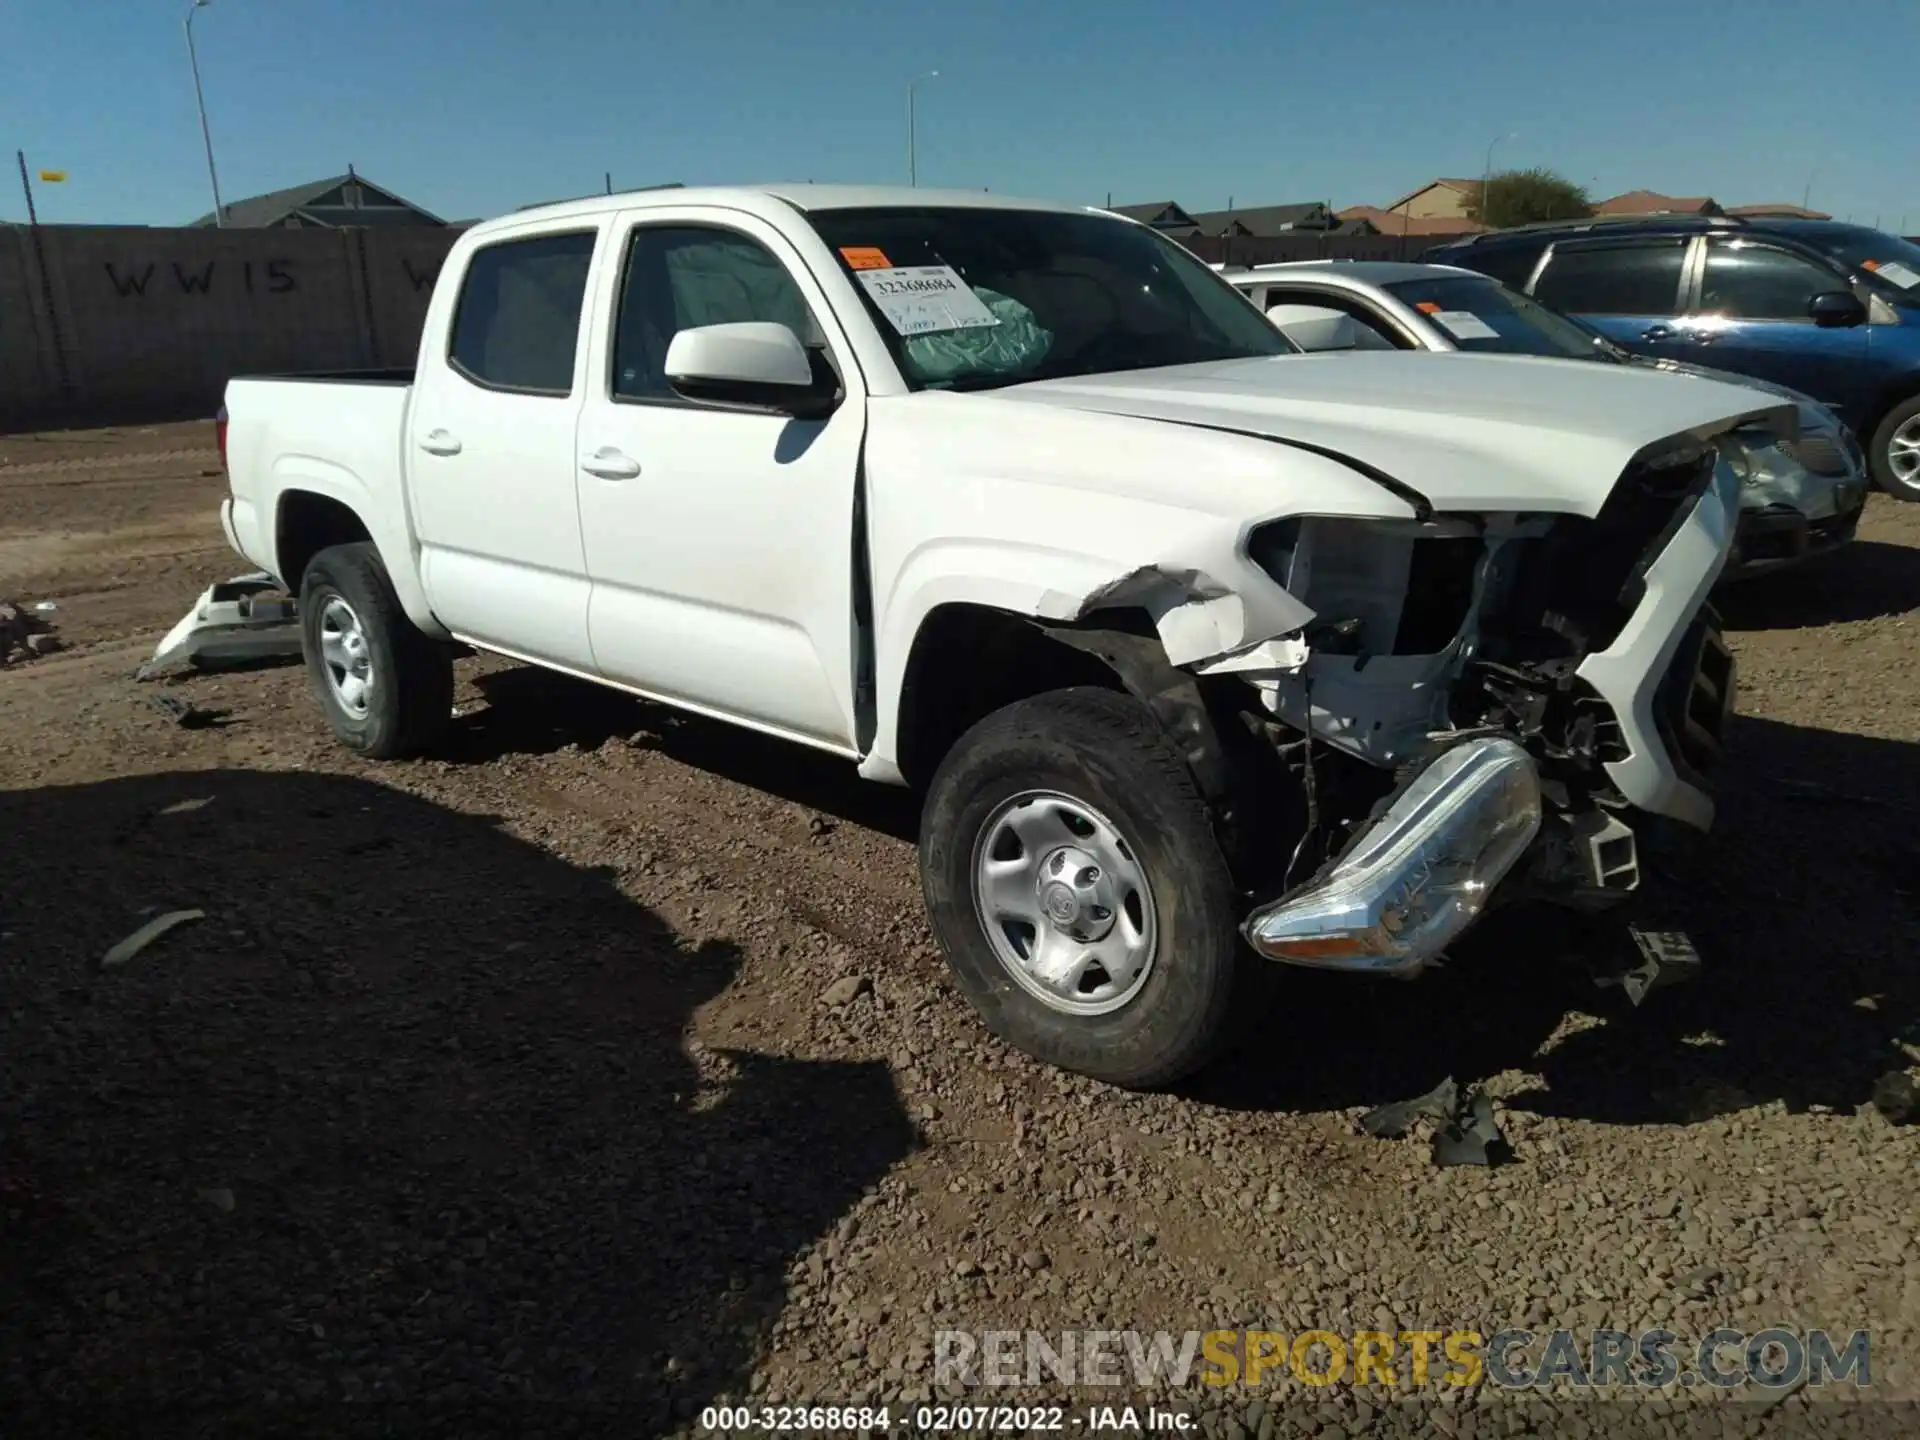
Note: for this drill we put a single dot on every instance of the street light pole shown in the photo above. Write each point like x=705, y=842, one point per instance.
x=913, y=161
x=1486, y=175
x=193, y=59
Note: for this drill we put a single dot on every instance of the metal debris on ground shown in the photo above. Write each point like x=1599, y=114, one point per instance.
x=1464, y=1133
x=23, y=634
x=148, y=933
x=233, y=622
x=185, y=713
x=1667, y=957
x=1896, y=1097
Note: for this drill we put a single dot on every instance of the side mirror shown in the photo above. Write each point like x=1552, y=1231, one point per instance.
x=747, y=362
x=1834, y=309
x=1315, y=327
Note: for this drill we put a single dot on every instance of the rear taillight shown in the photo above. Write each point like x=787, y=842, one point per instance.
x=220, y=434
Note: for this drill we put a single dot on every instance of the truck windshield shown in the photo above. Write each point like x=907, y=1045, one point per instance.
x=1484, y=315
x=973, y=298
x=1860, y=247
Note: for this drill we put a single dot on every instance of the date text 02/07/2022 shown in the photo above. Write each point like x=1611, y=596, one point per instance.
x=945, y=1419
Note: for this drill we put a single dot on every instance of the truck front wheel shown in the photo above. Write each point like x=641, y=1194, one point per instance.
x=1078, y=892
x=386, y=688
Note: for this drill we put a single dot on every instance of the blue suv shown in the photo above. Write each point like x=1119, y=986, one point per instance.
x=1831, y=310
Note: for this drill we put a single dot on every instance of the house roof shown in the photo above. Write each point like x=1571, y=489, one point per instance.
x=258, y=211
x=1462, y=187
x=1652, y=202
x=1263, y=219
x=1784, y=211
x=1392, y=222
x=1151, y=210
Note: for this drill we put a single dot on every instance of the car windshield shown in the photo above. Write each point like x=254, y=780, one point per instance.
x=1859, y=247
x=969, y=298
x=1483, y=315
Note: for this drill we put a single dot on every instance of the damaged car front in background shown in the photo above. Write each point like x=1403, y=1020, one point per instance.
x=1496, y=705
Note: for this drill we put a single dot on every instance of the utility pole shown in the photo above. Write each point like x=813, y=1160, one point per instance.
x=913, y=158
x=26, y=185
x=193, y=59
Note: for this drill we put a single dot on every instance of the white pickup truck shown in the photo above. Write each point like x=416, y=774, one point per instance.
x=1205, y=653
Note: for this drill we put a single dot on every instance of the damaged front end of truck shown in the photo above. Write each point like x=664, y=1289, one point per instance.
x=1477, y=708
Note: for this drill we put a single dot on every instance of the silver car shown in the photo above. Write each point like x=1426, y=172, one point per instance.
x=1799, y=498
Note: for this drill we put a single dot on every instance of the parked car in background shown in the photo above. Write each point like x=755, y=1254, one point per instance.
x=1199, y=663
x=1832, y=310
x=1799, y=497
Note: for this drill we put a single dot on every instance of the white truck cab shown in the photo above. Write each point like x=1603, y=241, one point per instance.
x=1205, y=653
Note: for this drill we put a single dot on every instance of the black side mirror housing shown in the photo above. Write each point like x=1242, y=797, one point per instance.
x=1836, y=308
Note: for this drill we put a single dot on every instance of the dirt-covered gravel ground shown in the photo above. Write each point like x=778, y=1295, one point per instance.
x=603, y=1066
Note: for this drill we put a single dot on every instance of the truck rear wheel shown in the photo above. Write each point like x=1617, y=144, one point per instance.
x=1078, y=892
x=386, y=688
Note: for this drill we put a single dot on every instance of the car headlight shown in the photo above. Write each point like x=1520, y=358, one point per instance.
x=1420, y=874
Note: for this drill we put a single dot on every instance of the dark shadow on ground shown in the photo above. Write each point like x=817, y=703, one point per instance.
x=1804, y=904
x=531, y=711
x=402, y=1138
x=1863, y=580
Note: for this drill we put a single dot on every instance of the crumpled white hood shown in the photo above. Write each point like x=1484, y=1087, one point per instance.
x=1469, y=432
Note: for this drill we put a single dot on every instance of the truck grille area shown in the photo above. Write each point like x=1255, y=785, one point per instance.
x=1695, y=699
x=1577, y=586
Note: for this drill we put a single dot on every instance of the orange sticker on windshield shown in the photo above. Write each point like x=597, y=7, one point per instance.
x=1429, y=307
x=865, y=257
x=1869, y=264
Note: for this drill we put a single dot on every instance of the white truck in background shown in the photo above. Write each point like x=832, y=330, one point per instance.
x=1205, y=653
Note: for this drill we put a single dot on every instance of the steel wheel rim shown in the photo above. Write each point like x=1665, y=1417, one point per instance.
x=1903, y=451
x=1080, y=943
x=346, y=657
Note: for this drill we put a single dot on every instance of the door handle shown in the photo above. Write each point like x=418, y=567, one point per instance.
x=440, y=442
x=1657, y=332
x=610, y=464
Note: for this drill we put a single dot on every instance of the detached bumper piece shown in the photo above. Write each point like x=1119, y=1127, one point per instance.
x=1420, y=875
x=233, y=622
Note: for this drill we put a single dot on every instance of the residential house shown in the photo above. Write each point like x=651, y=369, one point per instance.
x=1398, y=222
x=331, y=204
x=1163, y=215
x=1780, y=211
x=1652, y=202
x=1438, y=200
x=1266, y=220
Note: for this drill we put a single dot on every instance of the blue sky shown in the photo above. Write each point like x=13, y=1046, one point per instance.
x=471, y=107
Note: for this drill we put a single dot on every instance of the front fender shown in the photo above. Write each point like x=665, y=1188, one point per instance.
x=1205, y=606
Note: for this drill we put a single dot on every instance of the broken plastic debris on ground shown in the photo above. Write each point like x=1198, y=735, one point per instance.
x=1463, y=1128
x=25, y=633
x=233, y=622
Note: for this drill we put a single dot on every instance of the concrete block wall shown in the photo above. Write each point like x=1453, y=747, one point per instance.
x=117, y=324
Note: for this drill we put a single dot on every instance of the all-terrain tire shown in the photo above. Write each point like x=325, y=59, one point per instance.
x=385, y=687
x=1880, y=456
x=1105, y=751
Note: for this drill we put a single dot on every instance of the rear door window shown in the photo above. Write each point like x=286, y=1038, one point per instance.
x=517, y=325
x=1641, y=279
x=1746, y=281
x=1511, y=265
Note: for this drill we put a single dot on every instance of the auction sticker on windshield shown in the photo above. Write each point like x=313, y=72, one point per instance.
x=922, y=299
x=1893, y=270
x=1464, y=325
